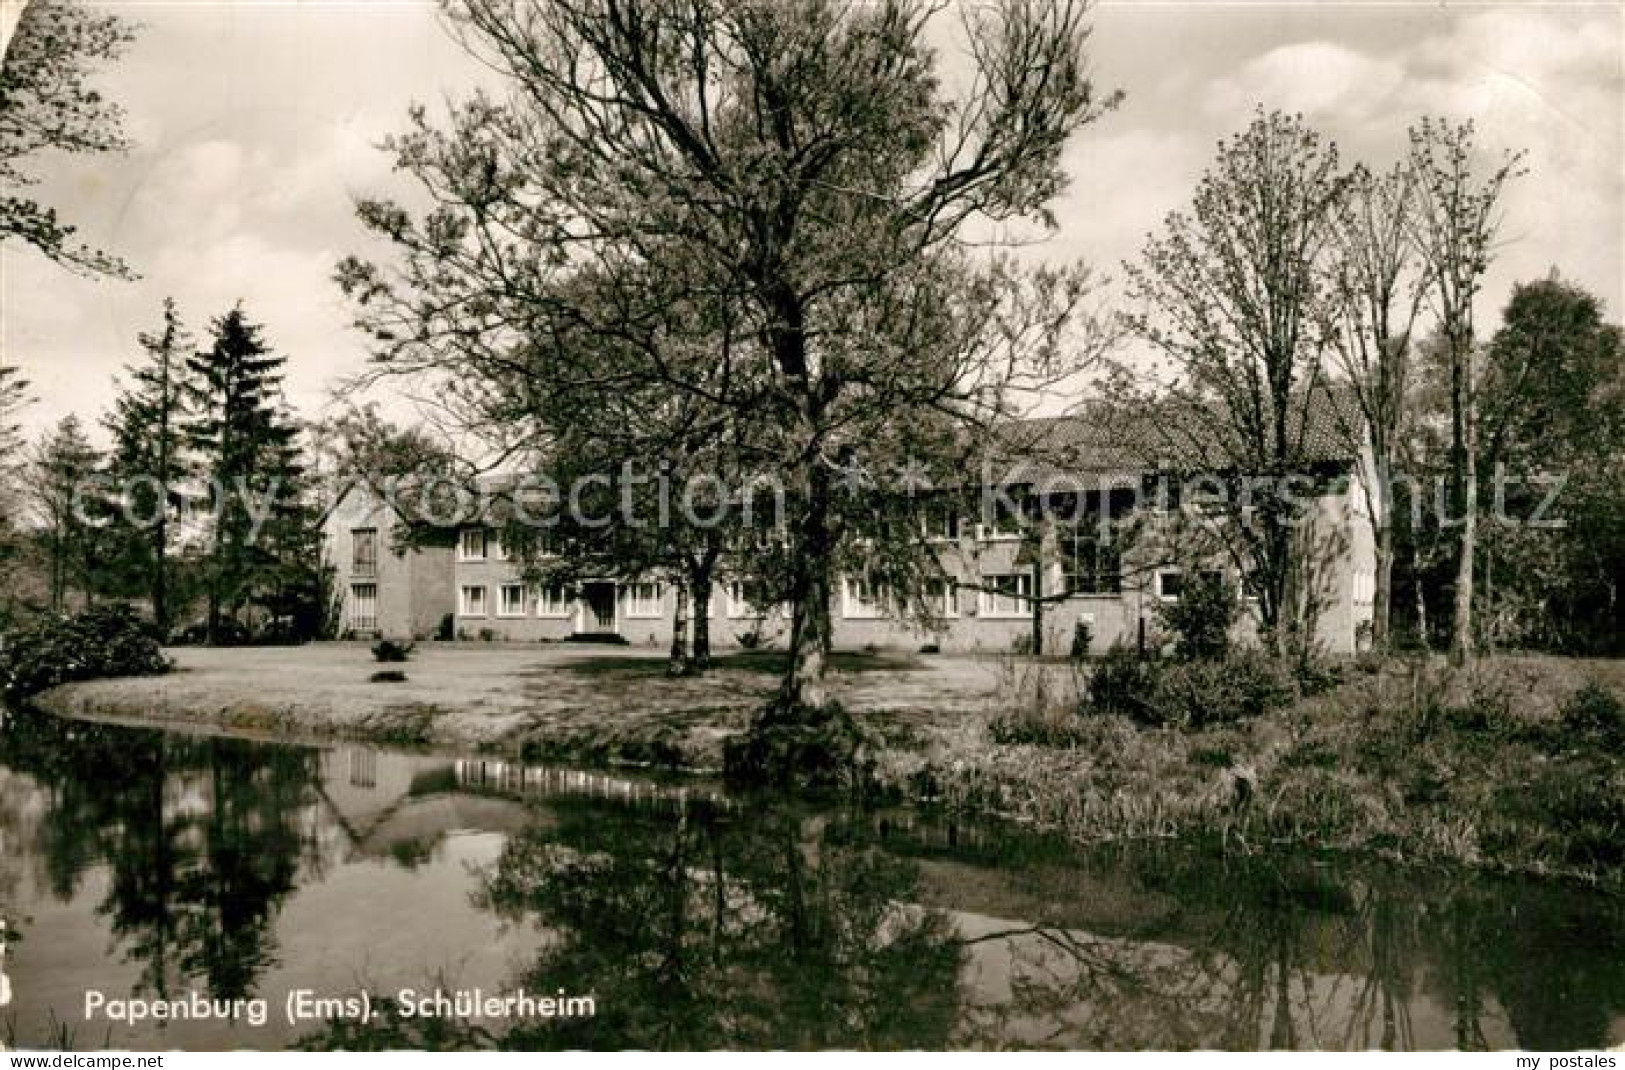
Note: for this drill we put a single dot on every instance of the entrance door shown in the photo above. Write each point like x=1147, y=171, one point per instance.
x=599, y=600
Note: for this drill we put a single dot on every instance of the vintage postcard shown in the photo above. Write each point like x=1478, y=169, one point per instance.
x=931, y=525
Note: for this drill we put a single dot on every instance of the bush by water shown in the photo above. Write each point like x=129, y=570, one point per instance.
x=55, y=649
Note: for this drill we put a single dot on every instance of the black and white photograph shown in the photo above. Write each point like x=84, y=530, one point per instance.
x=812, y=525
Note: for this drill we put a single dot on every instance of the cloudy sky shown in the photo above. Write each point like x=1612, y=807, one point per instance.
x=255, y=125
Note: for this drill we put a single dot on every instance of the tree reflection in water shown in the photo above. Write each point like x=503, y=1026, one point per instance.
x=1259, y=953
x=765, y=926
x=202, y=837
x=692, y=932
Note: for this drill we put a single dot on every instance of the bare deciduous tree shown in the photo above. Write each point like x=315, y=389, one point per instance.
x=798, y=167
x=1377, y=288
x=13, y=398
x=1235, y=295
x=1455, y=224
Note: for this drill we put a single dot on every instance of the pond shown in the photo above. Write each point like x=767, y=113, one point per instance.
x=143, y=870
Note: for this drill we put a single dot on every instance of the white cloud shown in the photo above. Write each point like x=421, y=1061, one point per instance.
x=1321, y=79
x=1544, y=81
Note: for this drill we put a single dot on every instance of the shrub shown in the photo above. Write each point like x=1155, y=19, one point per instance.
x=1190, y=694
x=1316, y=674
x=1369, y=663
x=1595, y=711
x=447, y=630
x=1122, y=681
x=388, y=650
x=106, y=641
x=1023, y=644
x=388, y=676
x=751, y=639
x=1197, y=694
x=801, y=748
x=1202, y=617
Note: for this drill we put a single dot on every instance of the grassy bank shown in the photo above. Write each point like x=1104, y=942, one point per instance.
x=567, y=703
x=1401, y=759
x=1496, y=768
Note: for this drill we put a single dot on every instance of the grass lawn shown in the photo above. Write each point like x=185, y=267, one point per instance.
x=564, y=701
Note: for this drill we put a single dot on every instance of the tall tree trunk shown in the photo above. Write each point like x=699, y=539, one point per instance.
x=1420, y=593
x=1382, y=592
x=59, y=570
x=678, y=663
x=214, y=601
x=1278, y=608
x=1461, y=629
x=1038, y=605
x=160, y=569
x=703, y=585
x=160, y=530
x=810, y=591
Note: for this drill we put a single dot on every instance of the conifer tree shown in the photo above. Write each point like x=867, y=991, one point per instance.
x=149, y=460
x=248, y=451
x=63, y=481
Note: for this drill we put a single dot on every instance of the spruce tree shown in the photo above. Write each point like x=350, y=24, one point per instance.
x=64, y=482
x=247, y=448
x=150, y=464
x=288, y=582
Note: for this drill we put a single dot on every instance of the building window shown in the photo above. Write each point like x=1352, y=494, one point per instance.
x=364, y=556
x=1171, y=582
x=1008, y=595
x=364, y=607
x=1002, y=515
x=473, y=602
x=742, y=598
x=939, y=522
x=643, y=600
x=553, y=600
x=363, y=769
x=513, y=600
x=863, y=599
x=1092, y=564
x=942, y=596
x=471, y=545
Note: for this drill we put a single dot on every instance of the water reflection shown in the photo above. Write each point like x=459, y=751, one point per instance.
x=202, y=838
x=697, y=933
x=149, y=863
x=1179, y=949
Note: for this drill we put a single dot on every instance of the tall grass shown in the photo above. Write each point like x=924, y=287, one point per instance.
x=1507, y=766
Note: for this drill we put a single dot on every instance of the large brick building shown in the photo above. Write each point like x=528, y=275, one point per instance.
x=993, y=565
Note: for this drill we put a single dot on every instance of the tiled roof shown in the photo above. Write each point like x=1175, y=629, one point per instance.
x=1117, y=442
